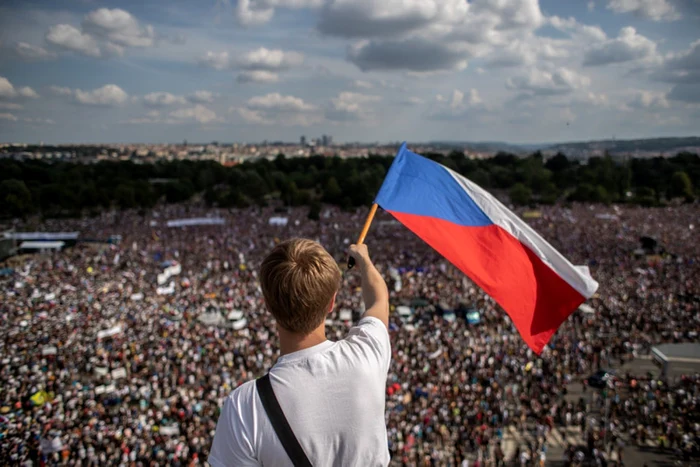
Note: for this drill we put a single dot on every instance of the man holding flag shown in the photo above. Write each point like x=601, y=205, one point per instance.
x=532, y=281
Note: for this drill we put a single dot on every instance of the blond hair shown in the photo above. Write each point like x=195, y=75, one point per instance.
x=299, y=279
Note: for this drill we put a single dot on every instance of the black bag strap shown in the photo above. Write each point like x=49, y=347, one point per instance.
x=280, y=424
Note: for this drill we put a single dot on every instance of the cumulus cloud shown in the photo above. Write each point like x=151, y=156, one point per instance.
x=70, y=38
x=410, y=54
x=257, y=76
x=683, y=69
x=118, y=27
x=581, y=32
x=60, y=90
x=201, y=97
x=277, y=101
x=215, y=60
x=33, y=52
x=10, y=106
x=656, y=10
x=162, y=99
x=546, y=83
x=270, y=60
x=369, y=18
x=351, y=106
x=104, y=33
x=649, y=100
x=279, y=109
x=8, y=116
x=198, y=113
x=257, y=12
x=459, y=105
x=108, y=95
x=628, y=46
x=8, y=90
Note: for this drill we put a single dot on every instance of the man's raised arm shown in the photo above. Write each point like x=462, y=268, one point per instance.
x=374, y=291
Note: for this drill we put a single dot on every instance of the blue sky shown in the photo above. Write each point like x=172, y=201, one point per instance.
x=521, y=71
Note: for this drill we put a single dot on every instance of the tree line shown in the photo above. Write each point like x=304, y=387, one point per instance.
x=61, y=189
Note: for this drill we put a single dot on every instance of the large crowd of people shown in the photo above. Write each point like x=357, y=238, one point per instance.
x=102, y=365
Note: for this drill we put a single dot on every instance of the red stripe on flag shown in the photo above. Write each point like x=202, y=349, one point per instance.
x=536, y=298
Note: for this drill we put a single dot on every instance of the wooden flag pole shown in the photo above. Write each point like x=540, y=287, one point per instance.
x=363, y=234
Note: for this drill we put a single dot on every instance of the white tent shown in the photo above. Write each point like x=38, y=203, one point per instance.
x=235, y=315
x=196, y=221
x=240, y=324
x=404, y=311
x=210, y=319
x=42, y=245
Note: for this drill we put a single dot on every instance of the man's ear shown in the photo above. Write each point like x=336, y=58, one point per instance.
x=330, y=308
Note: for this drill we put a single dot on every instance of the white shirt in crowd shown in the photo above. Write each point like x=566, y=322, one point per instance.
x=332, y=394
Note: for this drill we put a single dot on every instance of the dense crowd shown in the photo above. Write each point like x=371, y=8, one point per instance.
x=99, y=367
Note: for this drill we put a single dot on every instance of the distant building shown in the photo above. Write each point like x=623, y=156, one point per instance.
x=326, y=140
x=302, y=141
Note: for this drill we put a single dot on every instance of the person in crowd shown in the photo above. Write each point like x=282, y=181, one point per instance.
x=102, y=365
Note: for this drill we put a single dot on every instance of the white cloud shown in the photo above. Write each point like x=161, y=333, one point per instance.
x=545, y=83
x=278, y=109
x=683, y=70
x=656, y=10
x=27, y=92
x=33, y=52
x=8, y=91
x=61, y=91
x=215, y=60
x=162, y=99
x=107, y=95
x=253, y=116
x=351, y=106
x=70, y=38
x=459, y=105
x=628, y=46
x=270, y=60
x=580, y=32
x=410, y=101
x=118, y=27
x=361, y=84
x=11, y=106
x=257, y=12
x=201, y=97
x=591, y=6
x=104, y=33
x=8, y=116
x=257, y=76
x=198, y=113
x=249, y=13
x=278, y=102
x=649, y=100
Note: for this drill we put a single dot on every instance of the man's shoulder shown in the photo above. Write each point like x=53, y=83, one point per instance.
x=243, y=395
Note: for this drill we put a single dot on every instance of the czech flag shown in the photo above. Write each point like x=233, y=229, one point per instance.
x=532, y=281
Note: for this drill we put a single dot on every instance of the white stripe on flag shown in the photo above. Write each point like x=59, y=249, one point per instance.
x=511, y=223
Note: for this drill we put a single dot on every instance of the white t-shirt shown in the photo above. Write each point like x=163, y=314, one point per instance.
x=332, y=394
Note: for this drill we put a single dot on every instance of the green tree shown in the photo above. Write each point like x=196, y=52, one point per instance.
x=315, y=210
x=681, y=186
x=520, y=195
x=15, y=198
x=125, y=196
x=332, y=192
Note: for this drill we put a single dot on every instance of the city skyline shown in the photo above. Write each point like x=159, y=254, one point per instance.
x=522, y=72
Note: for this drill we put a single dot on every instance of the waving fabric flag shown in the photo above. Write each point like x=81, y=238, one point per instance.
x=532, y=281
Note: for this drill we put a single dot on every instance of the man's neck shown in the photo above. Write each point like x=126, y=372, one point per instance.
x=293, y=342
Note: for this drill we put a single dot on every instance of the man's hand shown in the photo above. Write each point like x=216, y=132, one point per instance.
x=360, y=254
